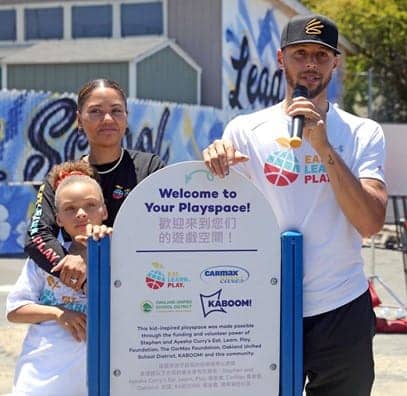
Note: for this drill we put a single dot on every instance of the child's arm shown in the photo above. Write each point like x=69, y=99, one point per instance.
x=22, y=305
x=74, y=322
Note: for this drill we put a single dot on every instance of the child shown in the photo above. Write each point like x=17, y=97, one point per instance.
x=53, y=357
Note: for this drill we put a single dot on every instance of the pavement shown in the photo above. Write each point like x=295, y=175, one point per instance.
x=390, y=349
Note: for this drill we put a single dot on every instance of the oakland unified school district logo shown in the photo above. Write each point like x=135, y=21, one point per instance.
x=282, y=168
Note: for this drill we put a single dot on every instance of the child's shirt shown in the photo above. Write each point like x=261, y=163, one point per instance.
x=52, y=362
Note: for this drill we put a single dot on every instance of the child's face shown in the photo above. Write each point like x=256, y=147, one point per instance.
x=79, y=204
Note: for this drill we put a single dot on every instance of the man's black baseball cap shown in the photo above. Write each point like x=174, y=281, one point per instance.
x=315, y=29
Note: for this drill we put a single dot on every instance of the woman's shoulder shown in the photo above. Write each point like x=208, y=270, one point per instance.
x=139, y=155
x=143, y=161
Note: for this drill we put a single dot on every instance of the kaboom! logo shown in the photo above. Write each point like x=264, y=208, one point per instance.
x=214, y=303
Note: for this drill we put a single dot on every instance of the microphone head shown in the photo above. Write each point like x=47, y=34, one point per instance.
x=300, y=90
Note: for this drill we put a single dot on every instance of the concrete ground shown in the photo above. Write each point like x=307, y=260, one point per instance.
x=390, y=349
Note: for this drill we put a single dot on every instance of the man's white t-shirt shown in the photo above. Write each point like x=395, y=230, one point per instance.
x=51, y=362
x=297, y=186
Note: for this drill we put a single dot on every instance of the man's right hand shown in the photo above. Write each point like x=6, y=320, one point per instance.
x=220, y=155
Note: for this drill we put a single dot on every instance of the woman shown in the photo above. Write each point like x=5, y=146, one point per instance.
x=102, y=116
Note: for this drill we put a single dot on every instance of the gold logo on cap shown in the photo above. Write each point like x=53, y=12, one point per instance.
x=314, y=26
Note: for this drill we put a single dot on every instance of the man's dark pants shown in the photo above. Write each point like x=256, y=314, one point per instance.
x=338, y=356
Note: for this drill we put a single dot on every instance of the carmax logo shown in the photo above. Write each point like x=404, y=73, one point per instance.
x=225, y=275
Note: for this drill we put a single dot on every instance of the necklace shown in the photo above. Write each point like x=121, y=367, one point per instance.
x=114, y=166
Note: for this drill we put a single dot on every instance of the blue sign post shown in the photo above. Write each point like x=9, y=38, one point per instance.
x=98, y=317
x=291, y=377
x=197, y=293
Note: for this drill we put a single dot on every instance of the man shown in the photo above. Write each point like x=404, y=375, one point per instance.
x=331, y=189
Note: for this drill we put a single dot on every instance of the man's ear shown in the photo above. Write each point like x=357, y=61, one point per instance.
x=337, y=61
x=280, y=59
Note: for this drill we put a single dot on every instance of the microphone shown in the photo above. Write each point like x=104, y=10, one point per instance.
x=298, y=121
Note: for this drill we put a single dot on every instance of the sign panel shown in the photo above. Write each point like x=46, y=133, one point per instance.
x=195, y=287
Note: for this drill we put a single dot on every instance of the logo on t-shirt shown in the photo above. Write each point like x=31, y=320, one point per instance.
x=120, y=192
x=314, y=170
x=282, y=168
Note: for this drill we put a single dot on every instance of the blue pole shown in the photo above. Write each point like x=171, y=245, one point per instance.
x=298, y=317
x=93, y=320
x=104, y=323
x=286, y=320
x=291, y=344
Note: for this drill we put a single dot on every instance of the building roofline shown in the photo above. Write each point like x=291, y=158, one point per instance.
x=94, y=51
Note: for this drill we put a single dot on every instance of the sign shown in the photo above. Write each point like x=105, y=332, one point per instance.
x=195, y=287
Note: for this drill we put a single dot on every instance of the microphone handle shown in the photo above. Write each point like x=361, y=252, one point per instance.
x=296, y=127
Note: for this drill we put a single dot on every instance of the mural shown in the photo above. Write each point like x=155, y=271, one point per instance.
x=38, y=130
x=250, y=74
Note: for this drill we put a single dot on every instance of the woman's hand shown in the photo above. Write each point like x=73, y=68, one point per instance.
x=72, y=271
x=73, y=267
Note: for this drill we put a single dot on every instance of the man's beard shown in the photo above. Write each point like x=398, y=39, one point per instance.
x=312, y=93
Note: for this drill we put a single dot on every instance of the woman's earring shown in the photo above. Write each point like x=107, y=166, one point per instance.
x=79, y=130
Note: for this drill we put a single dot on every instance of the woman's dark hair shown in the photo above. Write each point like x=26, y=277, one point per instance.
x=90, y=86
